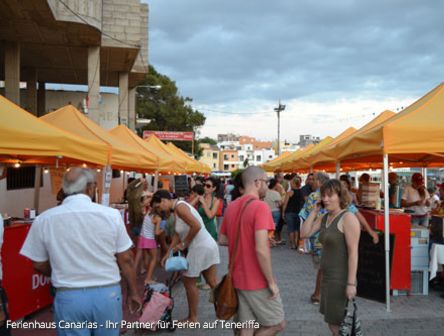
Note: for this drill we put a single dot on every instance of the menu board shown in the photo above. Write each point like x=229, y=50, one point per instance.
x=371, y=267
x=181, y=187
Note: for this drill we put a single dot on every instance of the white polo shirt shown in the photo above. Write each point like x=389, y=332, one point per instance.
x=80, y=239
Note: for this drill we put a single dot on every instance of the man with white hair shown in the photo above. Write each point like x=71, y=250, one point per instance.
x=81, y=245
x=258, y=293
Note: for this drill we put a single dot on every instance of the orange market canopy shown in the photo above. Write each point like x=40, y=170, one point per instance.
x=122, y=156
x=297, y=163
x=327, y=157
x=286, y=163
x=25, y=138
x=166, y=163
x=157, y=146
x=269, y=166
x=192, y=165
x=413, y=138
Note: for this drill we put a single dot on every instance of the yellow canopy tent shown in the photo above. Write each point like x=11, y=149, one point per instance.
x=122, y=156
x=25, y=138
x=178, y=164
x=284, y=164
x=413, y=137
x=269, y=166
x=166, y=163
x=192, y=164
x=327, y=158
x=298, y=163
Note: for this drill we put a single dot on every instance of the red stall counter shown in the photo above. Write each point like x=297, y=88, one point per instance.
x=400, y=275
x=27, y=290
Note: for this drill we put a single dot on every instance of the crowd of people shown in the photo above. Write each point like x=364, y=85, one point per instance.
x=86, y=249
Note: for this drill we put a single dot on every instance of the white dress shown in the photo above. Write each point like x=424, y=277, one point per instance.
x=203, y=251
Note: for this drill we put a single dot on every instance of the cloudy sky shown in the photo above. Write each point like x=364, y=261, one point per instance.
x=334, y=64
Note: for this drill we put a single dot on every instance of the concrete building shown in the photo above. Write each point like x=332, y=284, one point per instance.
x=79, y=42
x=244, y=140
x=229, y=160
x=307, y=139
x=94, y=43
x=227, y=137
x=210, y=156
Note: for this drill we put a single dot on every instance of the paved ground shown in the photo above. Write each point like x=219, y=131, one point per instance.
x=411, y=315
x=414, y=315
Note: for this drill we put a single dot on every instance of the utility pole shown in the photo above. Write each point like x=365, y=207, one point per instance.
x=278, y=111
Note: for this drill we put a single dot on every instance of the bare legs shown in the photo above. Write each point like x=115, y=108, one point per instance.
x=210, y=276
x=151, y=265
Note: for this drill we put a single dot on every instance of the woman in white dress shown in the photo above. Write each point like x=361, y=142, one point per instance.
x=191, y=234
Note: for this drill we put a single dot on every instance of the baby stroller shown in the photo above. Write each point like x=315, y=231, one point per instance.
x=158, y=304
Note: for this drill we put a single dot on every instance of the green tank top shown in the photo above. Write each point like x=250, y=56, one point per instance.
x=334, y=259
x=210, y=224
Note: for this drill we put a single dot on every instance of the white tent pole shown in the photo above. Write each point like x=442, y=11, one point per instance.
x=156, y=181
x=338, y=169
x=37, y=181
x=387, y=232
x=424, y=174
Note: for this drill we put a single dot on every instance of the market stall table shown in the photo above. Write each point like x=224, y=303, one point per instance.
x=401, y=261
x=27, y=290
x=436, y=259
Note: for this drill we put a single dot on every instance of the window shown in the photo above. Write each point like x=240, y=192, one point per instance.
x=214, y=165
x=258, y=158
x=270, y=156
x=225, y=167
x=241, y=158
x=232, y=156
x=215, y=155
x=225, y=156
x=21, y=178
x=233, y=166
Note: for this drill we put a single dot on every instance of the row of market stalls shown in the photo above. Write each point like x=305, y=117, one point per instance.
x=57, y=141
x=413, y=137
x=68, y=137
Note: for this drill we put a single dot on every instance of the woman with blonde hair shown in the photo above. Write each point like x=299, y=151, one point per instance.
x=339, y=235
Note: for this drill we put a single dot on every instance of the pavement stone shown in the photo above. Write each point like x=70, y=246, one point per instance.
x=410, y=315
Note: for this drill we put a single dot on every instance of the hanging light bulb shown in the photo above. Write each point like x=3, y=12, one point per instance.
x=45, y=170
x=17, y=164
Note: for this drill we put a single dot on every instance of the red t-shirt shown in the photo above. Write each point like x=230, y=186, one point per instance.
x=247, y=274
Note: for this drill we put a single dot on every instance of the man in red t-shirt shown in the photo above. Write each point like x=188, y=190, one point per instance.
x=258, y=293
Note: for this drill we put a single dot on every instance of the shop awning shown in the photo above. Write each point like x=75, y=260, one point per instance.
x=25, y=138
x=122, y=156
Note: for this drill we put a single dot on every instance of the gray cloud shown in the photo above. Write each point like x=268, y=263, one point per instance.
x=224, y=51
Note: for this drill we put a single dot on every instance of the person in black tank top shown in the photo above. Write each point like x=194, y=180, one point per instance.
x=294, y=200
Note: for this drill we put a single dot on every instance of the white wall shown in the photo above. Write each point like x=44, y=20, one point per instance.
x=14, y=201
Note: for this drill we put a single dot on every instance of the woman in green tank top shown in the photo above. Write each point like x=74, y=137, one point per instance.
x=208, y=205
x=339, y=235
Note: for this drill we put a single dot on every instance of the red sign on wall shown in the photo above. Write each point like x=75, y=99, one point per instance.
x=172, y=136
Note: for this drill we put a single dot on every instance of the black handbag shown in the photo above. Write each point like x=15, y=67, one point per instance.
x=351, y=325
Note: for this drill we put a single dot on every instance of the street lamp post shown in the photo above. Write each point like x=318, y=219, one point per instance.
x=278, y=110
